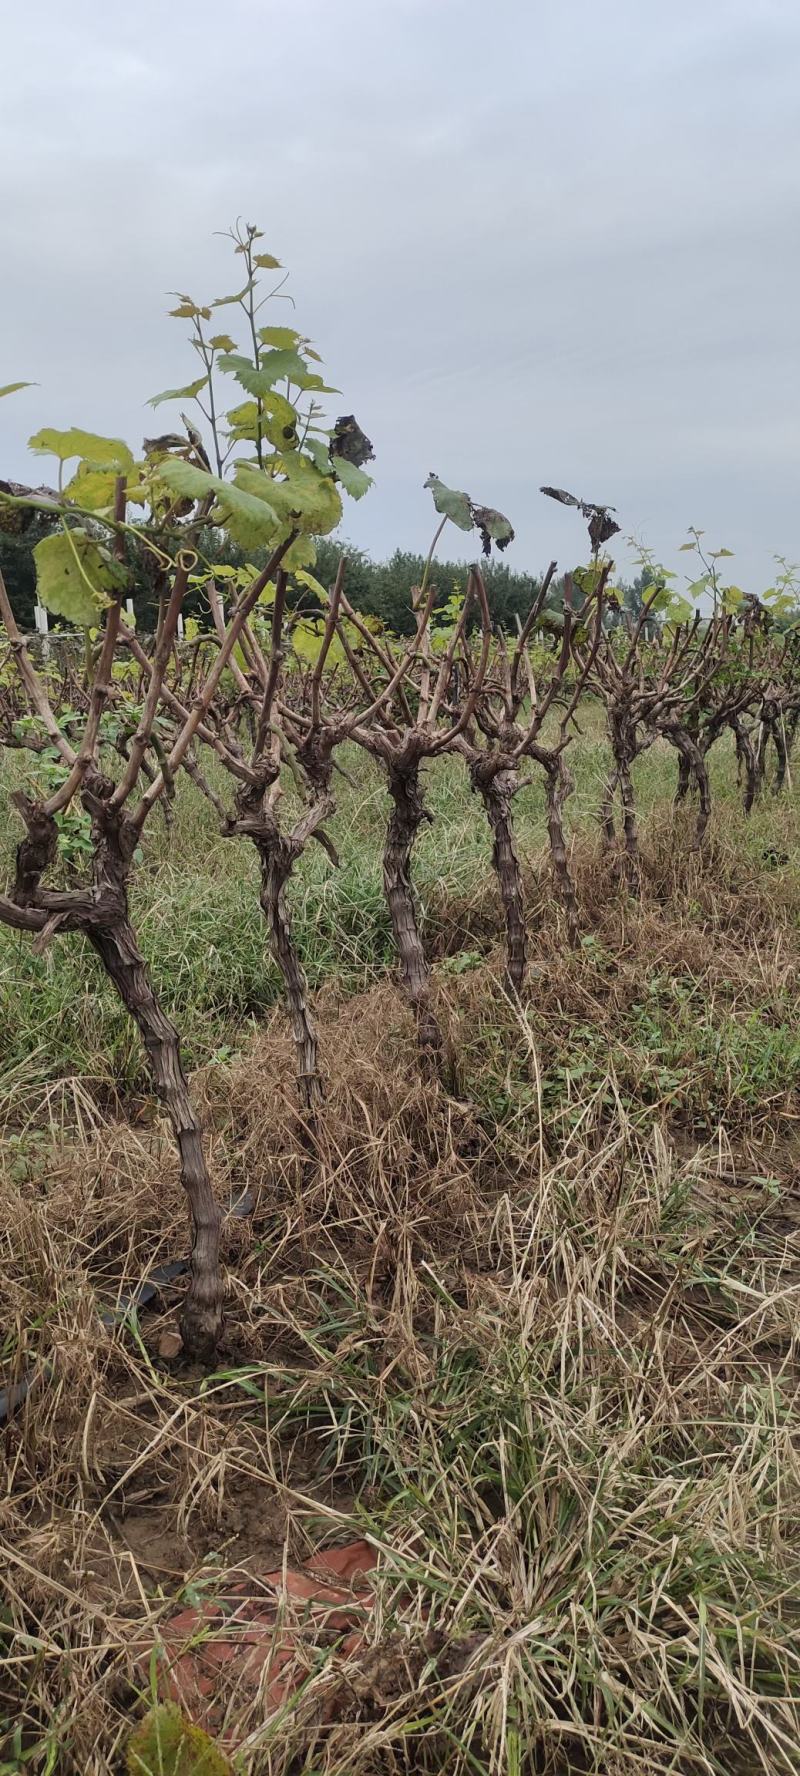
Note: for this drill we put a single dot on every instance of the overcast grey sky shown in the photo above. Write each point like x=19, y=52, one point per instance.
x=534, y=243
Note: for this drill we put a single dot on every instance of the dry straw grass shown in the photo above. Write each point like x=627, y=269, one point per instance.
x=535, y=1341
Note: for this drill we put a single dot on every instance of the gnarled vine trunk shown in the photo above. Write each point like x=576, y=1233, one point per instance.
x=606, y=814
x=408, y=813
x=693, y=763
x=684, y=782
x=201, y=1315
x=631, y=860
x=779, y=738
x=112, y=936
x=625, y=747
x=277, y=858
x=560, y=785
x=101, y=915
x=278, y=853
x=747, y=762
x=771, y=728
x=496, y=789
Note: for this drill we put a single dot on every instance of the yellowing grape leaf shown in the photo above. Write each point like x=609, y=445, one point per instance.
x=317, y=496
x=99, y=453
x=187, y=310
x=283, y=337
x=181, y=394
x=166, y=1743
x=307, y=579
x=75, y=575
x=92, y=488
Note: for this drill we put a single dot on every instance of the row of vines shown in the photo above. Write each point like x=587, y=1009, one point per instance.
x=255, y=707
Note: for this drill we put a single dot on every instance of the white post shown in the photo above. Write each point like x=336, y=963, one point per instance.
x=40, y=618
x=129, y=608
x=180, y=627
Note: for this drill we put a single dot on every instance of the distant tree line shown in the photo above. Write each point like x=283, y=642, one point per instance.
x=376, y=588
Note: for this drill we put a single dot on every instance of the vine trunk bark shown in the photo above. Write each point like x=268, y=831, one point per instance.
x=496, y=791
x=560, y=785
x=408, y=813
x=693, y=764
x=201, y=1316
x=631, y=859
x=112, y=936
x=277, y=858
x=747, y=762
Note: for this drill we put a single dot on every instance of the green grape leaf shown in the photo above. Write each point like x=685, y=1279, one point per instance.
x=222, y=342
x=267, y=262
x=75, y=575
x=320, y=454
x=284, y=337
x=188, y=480
x=355, y=481
x=587, y=578
x=238, y=296
x=182, y=394
x=10, y=388
x=246, y=514
x=305, y=501
x=677, y=609
x=285, y=362
x=99, y=453
x=450, y=503
x=275, y=366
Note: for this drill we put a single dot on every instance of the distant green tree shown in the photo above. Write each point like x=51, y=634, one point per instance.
x=17, y=568
x=376, y=588
x=383, y=588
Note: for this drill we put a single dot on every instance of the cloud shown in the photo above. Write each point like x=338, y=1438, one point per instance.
x=533, y=244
